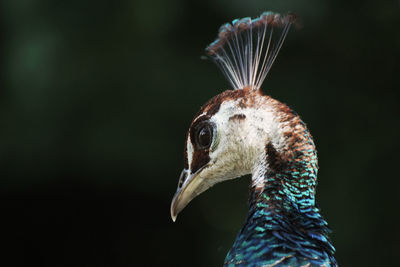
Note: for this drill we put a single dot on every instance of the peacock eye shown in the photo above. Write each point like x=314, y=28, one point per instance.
x=204, y=136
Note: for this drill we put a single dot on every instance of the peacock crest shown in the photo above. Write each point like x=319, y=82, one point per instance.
x=246, y=48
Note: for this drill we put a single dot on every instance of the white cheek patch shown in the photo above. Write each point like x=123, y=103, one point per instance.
x=189, y=151
x=242, y=142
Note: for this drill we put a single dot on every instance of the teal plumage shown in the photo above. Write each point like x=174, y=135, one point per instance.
x=283, y=226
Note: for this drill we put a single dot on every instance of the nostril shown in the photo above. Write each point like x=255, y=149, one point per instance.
x=182, y=179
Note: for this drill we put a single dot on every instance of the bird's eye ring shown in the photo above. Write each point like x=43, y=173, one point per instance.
x=203, y=135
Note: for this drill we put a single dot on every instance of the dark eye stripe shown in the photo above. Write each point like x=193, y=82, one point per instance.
x=199, y=159
x=201, y=151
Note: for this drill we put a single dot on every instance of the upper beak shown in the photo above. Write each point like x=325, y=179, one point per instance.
x=190, y=186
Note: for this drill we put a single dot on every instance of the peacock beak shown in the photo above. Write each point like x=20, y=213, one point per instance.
x=190, y=186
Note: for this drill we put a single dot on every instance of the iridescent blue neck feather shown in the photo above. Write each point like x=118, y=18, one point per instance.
x=283, y=226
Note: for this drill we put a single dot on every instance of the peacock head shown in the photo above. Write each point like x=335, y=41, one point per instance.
x=229, y=136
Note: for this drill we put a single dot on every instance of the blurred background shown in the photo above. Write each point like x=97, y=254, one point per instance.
x=96, y=98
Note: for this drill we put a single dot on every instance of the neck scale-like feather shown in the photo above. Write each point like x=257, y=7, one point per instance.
x=284, y=227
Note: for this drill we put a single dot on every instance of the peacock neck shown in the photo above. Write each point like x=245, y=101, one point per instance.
x=291, y=185
x=283, y=225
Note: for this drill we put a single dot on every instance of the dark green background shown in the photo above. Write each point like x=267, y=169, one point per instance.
x=96, y=98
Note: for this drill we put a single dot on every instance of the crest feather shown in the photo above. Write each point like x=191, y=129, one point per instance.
x=246, y=48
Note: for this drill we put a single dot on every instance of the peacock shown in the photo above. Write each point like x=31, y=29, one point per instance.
x=244, y=131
